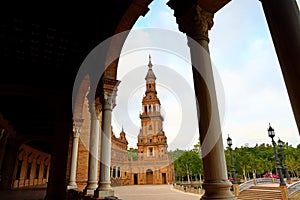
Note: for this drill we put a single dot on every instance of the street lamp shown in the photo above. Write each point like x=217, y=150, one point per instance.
x=280, y=144
x=271, y=134
x=229, y=142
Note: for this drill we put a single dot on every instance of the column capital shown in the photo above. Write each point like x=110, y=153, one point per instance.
x=95, y=108
x=192, y=19
x=77, y=123
x=110, y=88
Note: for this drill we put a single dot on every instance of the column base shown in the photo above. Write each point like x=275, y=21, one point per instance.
x=90, y=188
x=71, y=186
x=101, y=194
x=104, y=190
x=217, y=190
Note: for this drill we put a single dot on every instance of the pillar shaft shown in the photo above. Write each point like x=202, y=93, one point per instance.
x=104, y=189
x=283, y=19
x=195, y=22
x=95, y=109
x=76, y=134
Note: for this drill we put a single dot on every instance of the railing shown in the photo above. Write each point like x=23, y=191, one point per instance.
x=293, y=188
x=246, y=185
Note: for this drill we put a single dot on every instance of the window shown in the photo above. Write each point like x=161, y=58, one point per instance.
x=119, y=172
x=114, y=172
x=45, y=171
x=150, y=140
x=150, y=127
x=145, y=109
x=37, y=171
x=28, y=170
x=150, y=151
x=19, y=167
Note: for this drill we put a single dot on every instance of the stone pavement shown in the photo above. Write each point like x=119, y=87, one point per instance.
x=133, y=192
x=152, y=192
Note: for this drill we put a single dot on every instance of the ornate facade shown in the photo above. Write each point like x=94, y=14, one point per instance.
x=153, y=165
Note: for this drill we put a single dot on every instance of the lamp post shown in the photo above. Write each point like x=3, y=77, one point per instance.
x=271, y=134
x=229, y=142
x=288, y=178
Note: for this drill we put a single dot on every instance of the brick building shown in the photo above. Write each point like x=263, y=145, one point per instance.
x=153, y=165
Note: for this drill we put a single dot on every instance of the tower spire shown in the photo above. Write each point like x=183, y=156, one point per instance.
x=150, y=64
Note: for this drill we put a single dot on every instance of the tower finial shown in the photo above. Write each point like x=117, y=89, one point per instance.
x=150, y=64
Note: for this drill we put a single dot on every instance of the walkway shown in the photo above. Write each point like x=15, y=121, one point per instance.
x=150, y=192
x=134, y=192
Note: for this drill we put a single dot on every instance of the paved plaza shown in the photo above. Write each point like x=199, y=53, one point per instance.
x=133, y=192
x=152, y=192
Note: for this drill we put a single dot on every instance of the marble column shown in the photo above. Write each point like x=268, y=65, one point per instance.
x=196, y=22
x=95, y=110
x=283, y=18
x=104, y=189
x=76, y=133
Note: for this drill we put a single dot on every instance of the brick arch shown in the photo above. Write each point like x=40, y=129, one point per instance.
x=80, y=98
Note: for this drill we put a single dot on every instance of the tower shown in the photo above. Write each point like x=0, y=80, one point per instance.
x=152, y=142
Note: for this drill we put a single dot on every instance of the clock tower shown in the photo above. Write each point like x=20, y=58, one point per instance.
x=152, y=142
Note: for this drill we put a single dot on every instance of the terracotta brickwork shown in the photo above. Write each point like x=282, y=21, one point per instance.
x=153, y=165
x=31, y=168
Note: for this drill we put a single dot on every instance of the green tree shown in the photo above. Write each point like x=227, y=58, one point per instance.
x=132, y=154
x=189, y=161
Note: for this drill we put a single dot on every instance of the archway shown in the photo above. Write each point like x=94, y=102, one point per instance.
x=149, y=176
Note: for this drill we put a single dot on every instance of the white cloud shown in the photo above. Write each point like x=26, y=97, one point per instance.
x=243, y=53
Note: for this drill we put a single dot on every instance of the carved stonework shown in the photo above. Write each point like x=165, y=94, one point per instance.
x=110, y=88
x=95, y=108
x=193, y=20
x=108, y=102
x=77, y=123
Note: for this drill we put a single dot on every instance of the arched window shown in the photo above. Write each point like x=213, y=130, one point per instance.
x=114, y=172
x=119, y=172
x=150, y=151
x=37, y=171
x=45, y=171
x=19, y=167
x=28, y=170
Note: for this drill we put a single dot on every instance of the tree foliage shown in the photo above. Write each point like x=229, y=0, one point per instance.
x=248, y=161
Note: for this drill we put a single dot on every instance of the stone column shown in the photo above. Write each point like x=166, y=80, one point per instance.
x=104, y=189
x=76, y=133
x=195, y=22
x=95, y=110
x=283, y=19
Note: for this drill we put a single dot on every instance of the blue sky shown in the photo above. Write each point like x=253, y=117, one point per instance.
x=252, y=94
